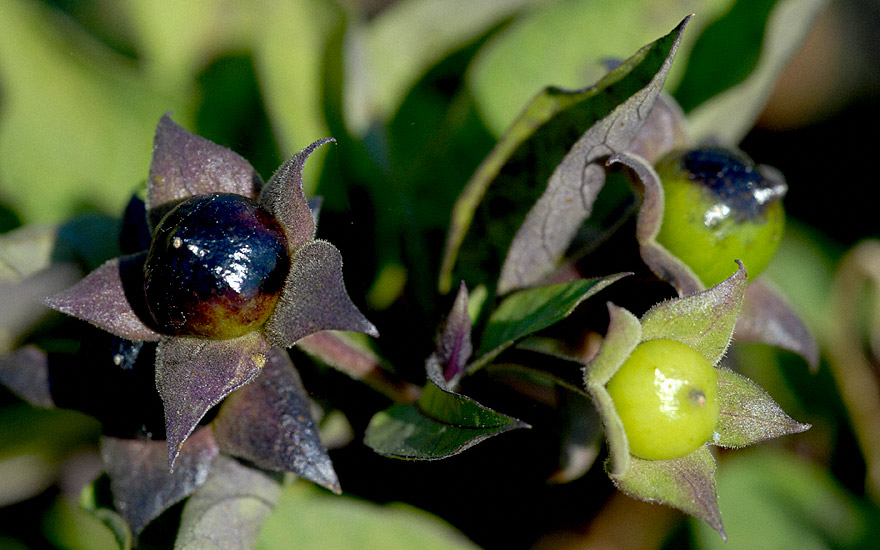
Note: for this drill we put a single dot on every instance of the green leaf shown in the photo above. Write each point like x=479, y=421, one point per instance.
x=94, y=132
x=403, y=41
x=748, y=415
x=582, y=37
x=441, y=425
x=68, y=526
x=729, y=115
x=703, y=321
x=228, y=510
x=308, y=518
x=773, y=499
x=524, y=159
x=528, y=311
x=686, y=483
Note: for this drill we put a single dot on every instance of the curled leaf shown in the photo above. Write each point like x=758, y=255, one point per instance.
x=748, y=415
x=269, y=423
x=140, y=481
x=314, y=298
x=575, y=183
x=194, y=374
x=686, y=483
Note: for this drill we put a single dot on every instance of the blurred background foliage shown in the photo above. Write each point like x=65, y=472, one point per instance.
x=416, y=92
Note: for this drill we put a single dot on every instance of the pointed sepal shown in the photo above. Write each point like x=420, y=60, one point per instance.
x=194, y=374
x=269, y=423
x=314, y=298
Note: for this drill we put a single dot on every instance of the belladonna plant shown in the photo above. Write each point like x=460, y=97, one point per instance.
x=223, y=274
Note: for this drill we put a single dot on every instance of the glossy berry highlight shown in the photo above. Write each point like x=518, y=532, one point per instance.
x=718, y=207
x=666, y=395
x=216, y=266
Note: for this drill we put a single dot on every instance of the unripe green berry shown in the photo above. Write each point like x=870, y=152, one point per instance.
x=666, y=395
x=719, y=208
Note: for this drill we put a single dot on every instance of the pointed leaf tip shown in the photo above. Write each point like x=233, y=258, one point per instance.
x=283, y=196
x=314, y=298
x=269, y=423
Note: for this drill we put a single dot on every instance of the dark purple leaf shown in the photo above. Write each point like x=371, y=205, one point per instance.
x=574, y=185
x=140, y=481
x=283, y=196
x=662, y=262
x=229, y=509
x=185, y=165
x=110, y=298
x=269, y=423
x=25, y=372
x=314, y=298
x=454, y=340
x=748, y=415
x=686, y=483
x=194, y=374
x=766, y=317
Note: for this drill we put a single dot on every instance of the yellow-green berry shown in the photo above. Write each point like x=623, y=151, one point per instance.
x=666, y=395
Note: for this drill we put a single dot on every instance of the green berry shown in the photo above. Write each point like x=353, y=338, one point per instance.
x=666, y=395
x=719, y=208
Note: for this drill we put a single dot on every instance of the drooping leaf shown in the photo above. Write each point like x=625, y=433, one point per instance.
x=442, y=424
x=283, y=196
x=729, y=115
x=454, y=340
x=314, y=298
x=773, y=499
x=111, y=299
x=194, y=374
x=575, y=183
x=185, y=165
x=748, y=415
x=703, y=321
x=766, y=317
x=25, y=371
x=528, y=311
x=227, y=511
x=686, y=483
x=514, y=173
x=661, y=261
x=140, y=481
x=307, y=518
x=269, y=423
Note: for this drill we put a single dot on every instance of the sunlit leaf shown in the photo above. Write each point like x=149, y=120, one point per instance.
x=228, y=510
x=307, y=518
x=729, y=115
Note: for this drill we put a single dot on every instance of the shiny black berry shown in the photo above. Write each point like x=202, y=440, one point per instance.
x=216, y=266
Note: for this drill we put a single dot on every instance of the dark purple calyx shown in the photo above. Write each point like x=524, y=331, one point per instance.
x=734, y=180
x=216, y=266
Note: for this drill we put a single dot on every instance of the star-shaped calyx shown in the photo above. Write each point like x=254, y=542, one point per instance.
x=233, y=270
x=664, y=399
